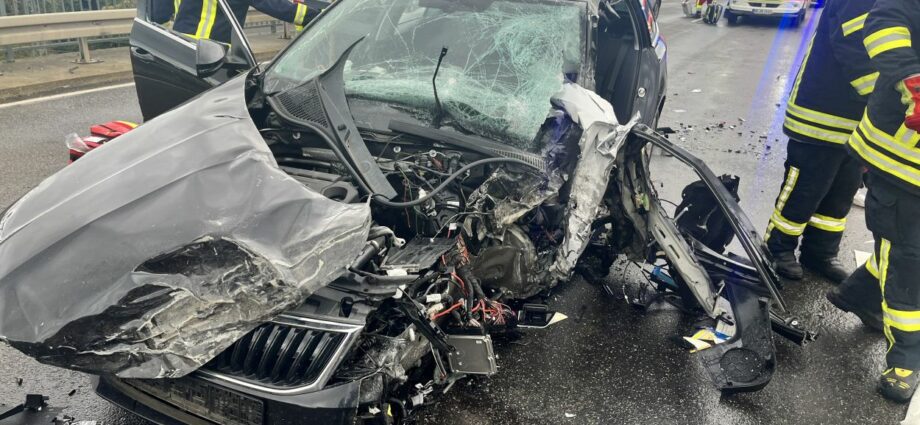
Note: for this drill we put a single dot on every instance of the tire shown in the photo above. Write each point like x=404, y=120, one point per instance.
x=730, y=18
x=797, y=20
x=708, y=16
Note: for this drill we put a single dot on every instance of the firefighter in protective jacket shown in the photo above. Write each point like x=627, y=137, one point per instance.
x=204, y=18
x=885, y=292
x=827, y=100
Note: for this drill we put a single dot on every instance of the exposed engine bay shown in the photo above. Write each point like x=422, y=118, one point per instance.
x=475, y=231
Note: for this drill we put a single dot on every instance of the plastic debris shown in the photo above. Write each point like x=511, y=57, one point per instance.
x=557, y=317
x=705, y=338
x=697, y=344
x=861, y=257
x=570, y=415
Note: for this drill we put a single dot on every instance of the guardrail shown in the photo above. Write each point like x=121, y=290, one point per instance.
x=82, y=26
x=61, y=26
x=31, y=7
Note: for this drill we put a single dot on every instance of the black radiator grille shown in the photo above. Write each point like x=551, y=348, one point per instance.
x=279, y=355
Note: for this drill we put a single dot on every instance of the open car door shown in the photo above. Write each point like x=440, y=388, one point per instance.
x=170, y=67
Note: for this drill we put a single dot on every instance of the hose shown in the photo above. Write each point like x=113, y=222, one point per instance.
x=378, y=231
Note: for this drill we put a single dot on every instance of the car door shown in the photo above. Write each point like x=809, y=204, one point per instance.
x=630, y=59
x=167, y=65
x=652, y=82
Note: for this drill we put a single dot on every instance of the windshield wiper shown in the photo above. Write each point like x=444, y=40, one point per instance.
x=436, y=122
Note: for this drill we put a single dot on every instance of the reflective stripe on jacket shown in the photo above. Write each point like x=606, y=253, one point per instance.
x=892, y=40
x=830, y=91
x=203, y=18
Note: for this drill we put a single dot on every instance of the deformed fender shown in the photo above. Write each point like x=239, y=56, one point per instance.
x=155, y=252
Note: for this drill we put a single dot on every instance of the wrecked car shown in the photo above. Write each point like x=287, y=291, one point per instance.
x=336, y=236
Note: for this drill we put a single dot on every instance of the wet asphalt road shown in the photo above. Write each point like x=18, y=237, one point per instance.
x=608, y=363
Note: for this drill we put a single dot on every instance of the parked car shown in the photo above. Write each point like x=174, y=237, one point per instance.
x=794, y=11
x=335, y=236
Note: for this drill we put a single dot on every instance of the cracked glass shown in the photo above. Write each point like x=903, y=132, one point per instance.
x=504, y=61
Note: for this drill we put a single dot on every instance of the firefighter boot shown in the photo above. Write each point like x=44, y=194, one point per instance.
x=786, y=265
x=898, y=384
x=831, y=268
x=869, y=318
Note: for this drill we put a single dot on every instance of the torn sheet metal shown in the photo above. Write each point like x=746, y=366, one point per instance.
x=599, y=144
x=152, y=254
x=508, y=196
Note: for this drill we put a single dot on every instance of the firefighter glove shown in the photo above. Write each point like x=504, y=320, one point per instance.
x=910, y=95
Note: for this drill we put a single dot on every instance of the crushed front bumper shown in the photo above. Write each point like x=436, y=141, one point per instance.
x=199, y=400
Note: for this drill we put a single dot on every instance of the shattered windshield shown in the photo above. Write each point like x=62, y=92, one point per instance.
x=504, y=60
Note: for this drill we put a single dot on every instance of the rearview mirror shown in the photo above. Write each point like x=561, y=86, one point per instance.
x=210, y=57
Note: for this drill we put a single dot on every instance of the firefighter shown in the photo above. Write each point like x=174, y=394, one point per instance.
x=162, y=11
x=824, y=107
x=885, y=292
x=204, y=19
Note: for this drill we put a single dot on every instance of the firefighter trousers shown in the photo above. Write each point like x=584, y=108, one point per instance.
x=889, y=283
x=814, y=200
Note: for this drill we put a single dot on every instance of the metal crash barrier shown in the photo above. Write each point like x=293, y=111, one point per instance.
x=82, y=26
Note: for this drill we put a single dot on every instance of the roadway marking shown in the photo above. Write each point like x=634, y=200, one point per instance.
x=63, y=95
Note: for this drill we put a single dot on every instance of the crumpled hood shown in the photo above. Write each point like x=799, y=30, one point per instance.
x=152, y=254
